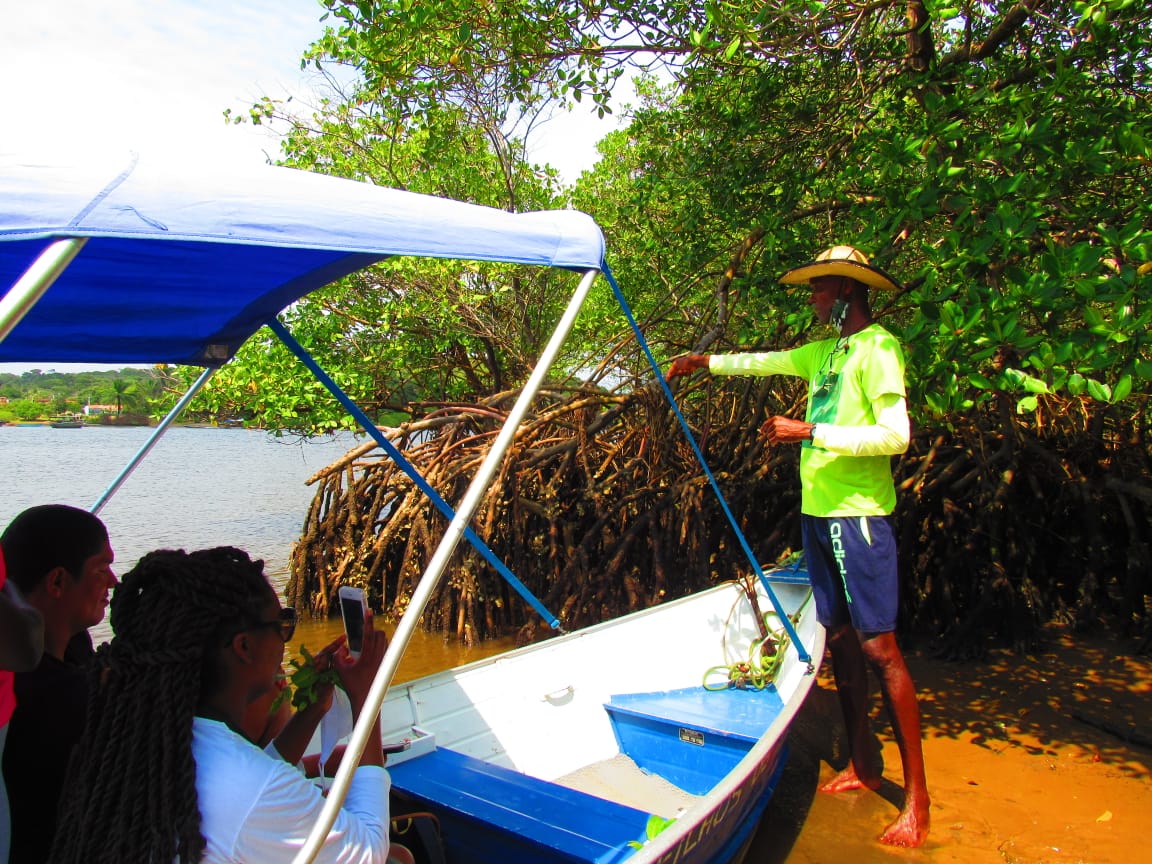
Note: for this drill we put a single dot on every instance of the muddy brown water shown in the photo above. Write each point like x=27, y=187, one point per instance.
x=1031, y=759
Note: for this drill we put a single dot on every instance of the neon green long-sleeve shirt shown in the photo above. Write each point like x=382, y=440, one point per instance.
x=850, y=382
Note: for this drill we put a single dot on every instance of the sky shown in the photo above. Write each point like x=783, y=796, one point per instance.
x=156, y=76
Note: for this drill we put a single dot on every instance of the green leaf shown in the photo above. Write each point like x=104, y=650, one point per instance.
x=1122, y=389
x=1099, y=392
x=1016, y=378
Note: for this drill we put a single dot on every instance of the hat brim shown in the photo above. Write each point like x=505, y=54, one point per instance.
x=866, y=273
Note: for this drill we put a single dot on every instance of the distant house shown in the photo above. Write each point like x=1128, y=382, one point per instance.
x=96, y=410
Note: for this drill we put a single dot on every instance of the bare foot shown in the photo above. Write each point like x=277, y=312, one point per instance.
x=847, y=780
x=910, y=828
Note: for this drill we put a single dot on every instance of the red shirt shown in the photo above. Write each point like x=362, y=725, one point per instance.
x=7, y=697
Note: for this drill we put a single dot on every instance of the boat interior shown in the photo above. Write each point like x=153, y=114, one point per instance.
x=574, y=769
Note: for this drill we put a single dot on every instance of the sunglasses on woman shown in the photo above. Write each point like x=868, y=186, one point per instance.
x=286, y=623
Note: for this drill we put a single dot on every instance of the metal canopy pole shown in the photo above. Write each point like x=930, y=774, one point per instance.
x=369, y=715
x=161, y=428
x=37, y=279
x=408, y=468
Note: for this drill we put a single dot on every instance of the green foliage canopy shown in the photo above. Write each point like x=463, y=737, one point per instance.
x=38, y=394
x=995, y=156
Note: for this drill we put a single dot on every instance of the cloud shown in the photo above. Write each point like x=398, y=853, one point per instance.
x=84, y=75
x=157, y=75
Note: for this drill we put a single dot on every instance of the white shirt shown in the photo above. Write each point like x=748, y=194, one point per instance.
x=257, y=809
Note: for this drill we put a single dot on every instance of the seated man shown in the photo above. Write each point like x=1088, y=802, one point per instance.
x=21, y=644
x=60, y=560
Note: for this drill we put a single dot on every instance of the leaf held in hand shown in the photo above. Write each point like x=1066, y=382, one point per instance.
x=304, y=680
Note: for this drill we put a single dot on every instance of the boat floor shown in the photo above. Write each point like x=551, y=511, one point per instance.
x=621, y=780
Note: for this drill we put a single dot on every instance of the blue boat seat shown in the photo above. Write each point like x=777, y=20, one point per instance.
x=493, y=814
x=692, y=737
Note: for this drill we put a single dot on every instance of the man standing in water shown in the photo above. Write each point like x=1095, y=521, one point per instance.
x=856, y=420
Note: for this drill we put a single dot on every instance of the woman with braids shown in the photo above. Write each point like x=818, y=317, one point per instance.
x=167, y=770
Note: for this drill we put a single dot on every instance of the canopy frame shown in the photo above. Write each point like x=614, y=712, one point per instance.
x=481, y=481
x=137, y=211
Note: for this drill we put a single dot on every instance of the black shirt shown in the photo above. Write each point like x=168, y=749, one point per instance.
x=51, y=704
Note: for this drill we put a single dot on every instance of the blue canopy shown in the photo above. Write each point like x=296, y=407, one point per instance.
x=182, y=267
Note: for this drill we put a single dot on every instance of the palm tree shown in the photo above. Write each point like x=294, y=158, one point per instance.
x=121, y=387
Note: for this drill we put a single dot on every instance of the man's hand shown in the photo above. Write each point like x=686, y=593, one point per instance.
x=686, y=365
x=785, y=430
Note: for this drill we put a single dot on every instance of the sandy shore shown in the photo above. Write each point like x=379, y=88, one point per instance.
x=1045, y=757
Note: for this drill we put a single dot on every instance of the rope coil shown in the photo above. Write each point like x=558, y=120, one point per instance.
x=758, y=671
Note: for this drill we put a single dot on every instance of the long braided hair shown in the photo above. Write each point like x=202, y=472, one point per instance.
x=131, y=789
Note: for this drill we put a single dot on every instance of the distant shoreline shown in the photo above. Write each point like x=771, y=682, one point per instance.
x=189, y=425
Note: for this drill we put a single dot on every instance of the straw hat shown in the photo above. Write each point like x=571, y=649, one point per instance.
x=841, y=261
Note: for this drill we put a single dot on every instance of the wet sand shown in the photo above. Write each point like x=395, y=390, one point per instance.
x=1044, y=757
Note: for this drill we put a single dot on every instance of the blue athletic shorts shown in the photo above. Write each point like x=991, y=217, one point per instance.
x=852, y=564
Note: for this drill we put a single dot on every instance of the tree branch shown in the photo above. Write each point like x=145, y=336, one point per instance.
x=1013, y=20
x=724, y=285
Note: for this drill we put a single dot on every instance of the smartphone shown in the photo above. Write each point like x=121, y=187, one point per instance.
x=352, y=609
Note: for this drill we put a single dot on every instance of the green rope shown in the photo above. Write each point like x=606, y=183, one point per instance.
x=765, y=657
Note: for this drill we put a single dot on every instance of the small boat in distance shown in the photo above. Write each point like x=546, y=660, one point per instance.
x=67, y=420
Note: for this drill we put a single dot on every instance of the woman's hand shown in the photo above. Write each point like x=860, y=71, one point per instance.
x=357, y=673
x=356, y=677
x=325, y=690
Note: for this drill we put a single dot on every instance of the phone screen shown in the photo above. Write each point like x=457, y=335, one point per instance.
x=353, y=613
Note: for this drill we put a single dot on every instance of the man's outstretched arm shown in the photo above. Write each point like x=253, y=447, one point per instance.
x=686, y=365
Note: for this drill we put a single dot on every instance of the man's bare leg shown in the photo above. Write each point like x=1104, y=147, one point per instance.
x=851, y=676
x=883, y=654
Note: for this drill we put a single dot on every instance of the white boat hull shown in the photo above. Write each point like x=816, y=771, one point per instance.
x=524, y=727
